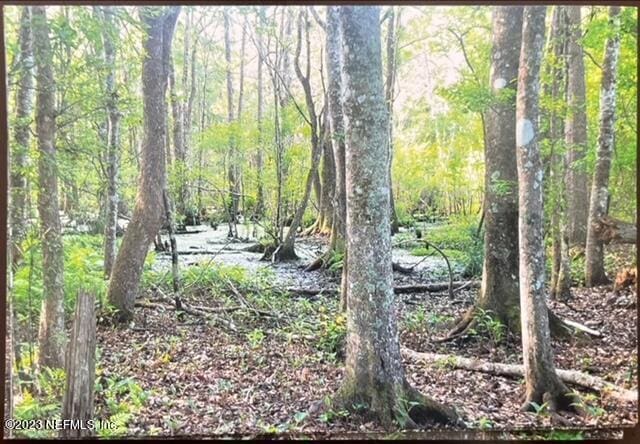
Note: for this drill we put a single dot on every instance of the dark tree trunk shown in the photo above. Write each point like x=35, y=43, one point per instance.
x=374, y=373
x=21, y=135
x=113, y=145
x=328, y=180
x=542, y=383
x=148, y=213
x=51, y=334
x=499, y=292
x=595, y=274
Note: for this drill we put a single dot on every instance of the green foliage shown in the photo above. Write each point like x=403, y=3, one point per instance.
x=487, y=324
x=255, y=338
x=122, y=400
x=332, y=336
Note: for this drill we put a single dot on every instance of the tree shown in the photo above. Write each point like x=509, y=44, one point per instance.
x=233, y=169
x=577, y=180
x=113, y=143
x=393, y=28
x=542, y=383
x=499, y=292
x=148, y=214
x=51, y=335
x=598, y=204
x=21, y=136
x=374, y=373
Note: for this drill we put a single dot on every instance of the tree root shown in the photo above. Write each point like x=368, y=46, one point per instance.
x=391, y=406
x=568, y=376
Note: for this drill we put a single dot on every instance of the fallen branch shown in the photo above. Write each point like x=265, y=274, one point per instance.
x=400, y=289
x=613, y=230
x=569, y=376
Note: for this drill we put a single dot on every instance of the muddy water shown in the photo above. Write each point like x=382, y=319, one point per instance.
x=202, y=244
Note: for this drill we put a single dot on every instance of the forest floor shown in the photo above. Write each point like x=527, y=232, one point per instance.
x=257, y=367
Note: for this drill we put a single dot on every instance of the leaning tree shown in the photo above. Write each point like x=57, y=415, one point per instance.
x=148, y=214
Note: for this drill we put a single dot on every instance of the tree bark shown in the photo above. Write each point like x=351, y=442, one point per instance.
x=51, y=335
x=113, y=145
x=577, y=189
x=77, y=404
x=541, y=379
x=499, y=292
x=21, y=135
x=374, y=374
x=595, y=274
x=148, y=213
x=328, y=180
x=390, y=81
x=336, y=123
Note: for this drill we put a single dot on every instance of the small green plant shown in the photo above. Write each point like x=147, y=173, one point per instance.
x=333, y=332
x=587, y=403
x=255, y=337
x=123, y=399
x=540, y=409
x=485, y=423
x=416, y=319
x=489, y=325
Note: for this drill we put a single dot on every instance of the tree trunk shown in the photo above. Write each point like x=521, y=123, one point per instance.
x=287, y=249
x=328, y=180
x=336, y=122
x=51, y=334
x=541, y=380
x=392, y=58
x=233, y=177
x=577, y=189
x=557, y=64
x=374, y=376
x=21, y=136
x=148, y=213
x=77, y=404
x=499, y=292
x=113, y=146
x=595, y=274
x=259, y=210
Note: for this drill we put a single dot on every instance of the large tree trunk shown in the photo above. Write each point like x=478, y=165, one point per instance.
x=595, y=274
x=51, y=335
x=113, y=145
x=148, y=213
x=499, y=291
x=21, y=134
x=577, y=189
x=541, y=380
x=374, y=374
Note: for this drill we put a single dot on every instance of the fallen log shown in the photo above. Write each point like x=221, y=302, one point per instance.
x=610, y=230
x=569, y=376
x=400, y=289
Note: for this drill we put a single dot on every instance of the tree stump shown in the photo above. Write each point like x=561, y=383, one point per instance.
x=77, y=404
